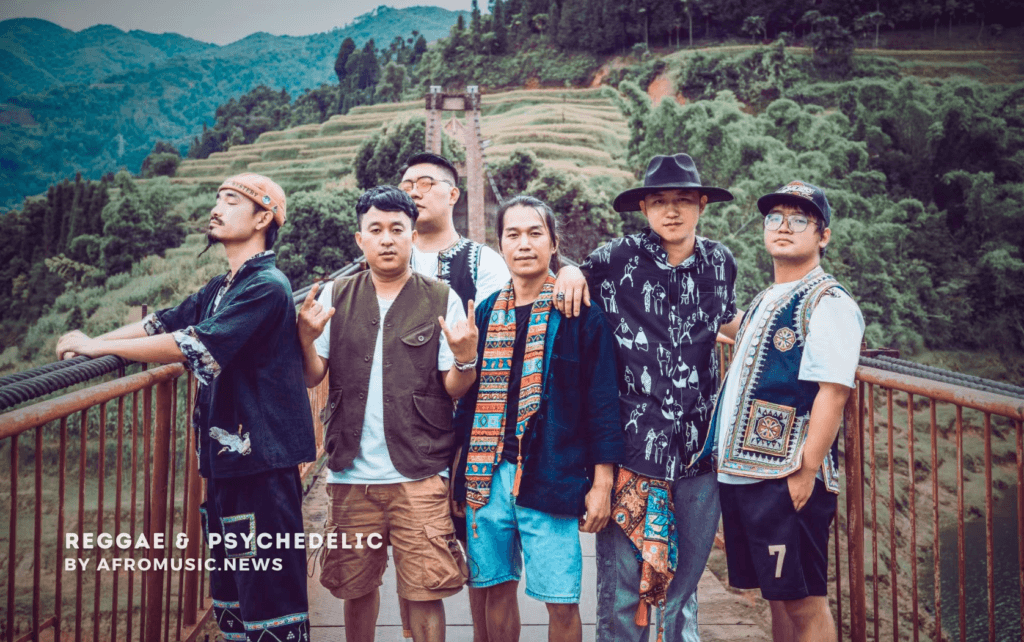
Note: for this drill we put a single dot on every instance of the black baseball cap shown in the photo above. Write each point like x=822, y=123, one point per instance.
x=798, y=193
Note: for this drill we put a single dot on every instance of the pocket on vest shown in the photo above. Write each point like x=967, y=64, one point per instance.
x=437, y=412
x=419, y=335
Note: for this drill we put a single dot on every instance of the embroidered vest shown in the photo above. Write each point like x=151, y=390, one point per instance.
x=458, y=266
x=774, y=405
x=417, y=408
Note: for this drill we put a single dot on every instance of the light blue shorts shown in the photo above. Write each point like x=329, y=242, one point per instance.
x=507, y=533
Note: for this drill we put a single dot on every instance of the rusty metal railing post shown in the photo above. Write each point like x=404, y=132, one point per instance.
x=193, y=532
x=855, y=516
x=158, y=510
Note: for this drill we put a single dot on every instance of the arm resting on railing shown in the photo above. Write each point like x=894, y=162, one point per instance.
x=132, y=331
x=160, y=348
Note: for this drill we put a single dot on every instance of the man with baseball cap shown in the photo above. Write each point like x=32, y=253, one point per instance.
x=252, y=419
x=668, y=292
x=777, y=420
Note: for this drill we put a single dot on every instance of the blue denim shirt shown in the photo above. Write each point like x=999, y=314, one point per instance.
x=577, y=425
x=238, y=337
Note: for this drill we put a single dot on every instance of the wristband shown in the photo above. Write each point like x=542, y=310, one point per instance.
x=462, y=367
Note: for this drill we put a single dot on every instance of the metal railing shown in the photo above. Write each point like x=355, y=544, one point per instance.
x=873, y=460
x=127, y=438
x=881, y=448
x=130, y=440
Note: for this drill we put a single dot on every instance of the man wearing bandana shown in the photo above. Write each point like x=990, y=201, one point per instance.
x=252, y=420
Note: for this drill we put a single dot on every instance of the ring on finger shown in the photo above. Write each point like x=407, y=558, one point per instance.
x=560, y=296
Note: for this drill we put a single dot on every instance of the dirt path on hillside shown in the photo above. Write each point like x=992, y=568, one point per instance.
x=663, y=87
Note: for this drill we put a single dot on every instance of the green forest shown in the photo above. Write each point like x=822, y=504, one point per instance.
x=97, y=101
x=925, y=174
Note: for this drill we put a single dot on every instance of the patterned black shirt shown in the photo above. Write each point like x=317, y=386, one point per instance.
x=666, y=321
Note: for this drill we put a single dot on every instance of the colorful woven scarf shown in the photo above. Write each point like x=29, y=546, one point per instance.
x=642, y=507
x=487, y=436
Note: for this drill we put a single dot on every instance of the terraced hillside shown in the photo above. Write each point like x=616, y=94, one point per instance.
x=572, y=130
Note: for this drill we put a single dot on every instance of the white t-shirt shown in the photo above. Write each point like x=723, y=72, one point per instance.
x=373, y=463
x=492, y=273
x=831, y=354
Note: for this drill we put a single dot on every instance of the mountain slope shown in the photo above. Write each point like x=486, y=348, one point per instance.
x=41, y=55
x=97, y=100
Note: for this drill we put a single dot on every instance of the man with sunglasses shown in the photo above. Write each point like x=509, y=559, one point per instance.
x=473, y=270
x=778, y=415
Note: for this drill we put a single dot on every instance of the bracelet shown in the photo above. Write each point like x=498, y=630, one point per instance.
x=462, y=367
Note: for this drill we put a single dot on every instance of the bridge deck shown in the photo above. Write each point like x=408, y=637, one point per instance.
x=723, y=615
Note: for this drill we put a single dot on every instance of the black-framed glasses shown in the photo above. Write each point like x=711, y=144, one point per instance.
x=423, y=184
x=797, y=222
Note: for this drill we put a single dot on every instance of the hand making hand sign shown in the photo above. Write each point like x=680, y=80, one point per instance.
x=462, y=336
x=312, y=317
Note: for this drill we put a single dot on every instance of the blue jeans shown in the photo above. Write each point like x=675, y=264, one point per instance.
x=697, y=510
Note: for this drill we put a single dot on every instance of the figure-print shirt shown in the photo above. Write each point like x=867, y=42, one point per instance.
x=665, y=321
x=238, y=337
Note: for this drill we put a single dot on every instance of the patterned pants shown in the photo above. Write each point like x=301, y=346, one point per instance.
x=259, y=594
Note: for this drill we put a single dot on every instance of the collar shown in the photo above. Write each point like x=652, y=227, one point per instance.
x=817, y=272
x=449, y=251
x=258, y=260
x=652, y=241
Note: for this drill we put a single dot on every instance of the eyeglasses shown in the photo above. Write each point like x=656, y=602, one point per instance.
x=423, y=184
x=797, y=222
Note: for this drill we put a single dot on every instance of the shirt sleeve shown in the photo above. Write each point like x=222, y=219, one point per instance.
x=833, y=341
x=239, y=323
x=323, y=342
x=177, y=318
x=492, y=274
x=605, y=437
x=445, y=357
x=595, y=266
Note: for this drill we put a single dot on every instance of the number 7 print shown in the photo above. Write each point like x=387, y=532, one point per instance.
x=779, y=549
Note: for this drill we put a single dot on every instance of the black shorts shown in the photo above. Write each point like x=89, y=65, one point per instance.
x=771, y=546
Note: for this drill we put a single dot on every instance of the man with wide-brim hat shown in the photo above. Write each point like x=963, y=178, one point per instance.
x=669, y=292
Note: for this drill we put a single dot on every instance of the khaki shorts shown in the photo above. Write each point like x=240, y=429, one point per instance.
x=414, y=518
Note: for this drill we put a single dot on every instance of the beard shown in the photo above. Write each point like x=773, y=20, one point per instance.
x=211, y=240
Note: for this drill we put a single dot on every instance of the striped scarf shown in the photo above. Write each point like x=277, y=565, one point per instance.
x=486, y=438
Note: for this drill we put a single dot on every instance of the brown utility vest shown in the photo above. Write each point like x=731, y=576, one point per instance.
x=417, y=408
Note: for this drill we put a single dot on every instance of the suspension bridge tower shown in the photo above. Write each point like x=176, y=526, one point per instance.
x=469, y=104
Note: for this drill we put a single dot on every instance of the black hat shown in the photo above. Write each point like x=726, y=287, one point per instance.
x=668, y=172
x=798, y=193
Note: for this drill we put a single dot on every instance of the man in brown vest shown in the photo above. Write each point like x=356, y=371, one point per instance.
x=401, y=350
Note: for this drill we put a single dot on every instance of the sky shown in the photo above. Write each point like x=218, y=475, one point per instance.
x=216, y=21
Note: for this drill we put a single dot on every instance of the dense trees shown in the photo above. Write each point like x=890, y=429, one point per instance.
x=925, y=181
x=612, y=26
x=241, y=121
x=162, y=161
x=319, y=237
x=79, y=234
x=381, y=158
